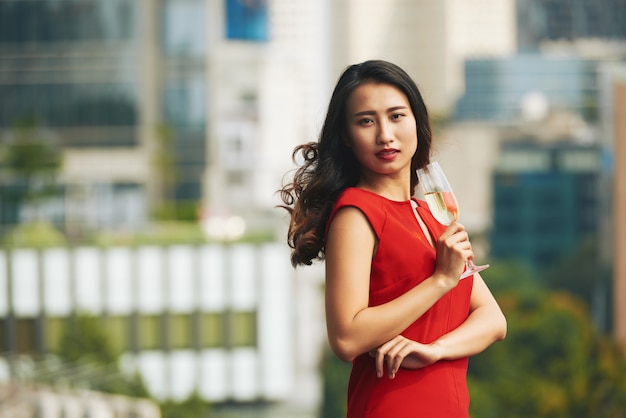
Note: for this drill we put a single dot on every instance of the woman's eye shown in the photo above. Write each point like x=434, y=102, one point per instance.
x=396, y=116
x=365, y=121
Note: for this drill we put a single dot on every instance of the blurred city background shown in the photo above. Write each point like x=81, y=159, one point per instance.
x=144, y=269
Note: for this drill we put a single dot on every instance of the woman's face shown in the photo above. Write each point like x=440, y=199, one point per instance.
x=381, y=130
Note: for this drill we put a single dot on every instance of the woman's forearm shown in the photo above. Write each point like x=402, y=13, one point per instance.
x=484, y=326
x=374, y=326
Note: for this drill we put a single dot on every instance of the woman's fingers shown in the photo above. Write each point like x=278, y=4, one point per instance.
x=392, y=354
x=381, y=354
x=453, y=250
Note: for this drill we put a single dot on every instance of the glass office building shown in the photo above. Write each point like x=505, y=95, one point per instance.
x=101, y=77
x=496, y=88
x=546, y=201
x=184, y=90
x=71, y=66
x=541, y=20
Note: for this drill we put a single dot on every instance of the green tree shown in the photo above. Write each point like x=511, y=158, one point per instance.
x=85, y=339
x=164, y=165
x=34, y=235
x=86, y=347
x=30, y=164
x=88, y=358
x=553, y=362
x=335, y=375
x=192, y=407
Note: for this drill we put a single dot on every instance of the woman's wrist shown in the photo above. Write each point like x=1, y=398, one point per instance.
x=438, y=348
x=444, y=281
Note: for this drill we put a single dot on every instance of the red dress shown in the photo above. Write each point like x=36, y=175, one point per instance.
x=403, y=259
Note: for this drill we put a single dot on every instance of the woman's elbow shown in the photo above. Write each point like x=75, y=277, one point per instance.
x=501, y=328
x=343, y=350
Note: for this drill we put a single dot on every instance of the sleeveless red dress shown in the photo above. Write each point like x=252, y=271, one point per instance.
x=403, y=259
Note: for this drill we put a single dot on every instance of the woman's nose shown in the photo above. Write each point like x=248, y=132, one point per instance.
x=385, y=133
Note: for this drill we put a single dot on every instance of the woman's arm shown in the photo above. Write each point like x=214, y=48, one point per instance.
x=484, y=325
x=354, y=327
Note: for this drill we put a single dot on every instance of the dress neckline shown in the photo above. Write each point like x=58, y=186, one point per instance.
x=423, y=221
x=385, y=198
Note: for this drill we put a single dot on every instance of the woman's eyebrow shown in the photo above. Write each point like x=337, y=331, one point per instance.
x=372, y=112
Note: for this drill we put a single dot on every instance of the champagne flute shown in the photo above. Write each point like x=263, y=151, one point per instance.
x=442, y=203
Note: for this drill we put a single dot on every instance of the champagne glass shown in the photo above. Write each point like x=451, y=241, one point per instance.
x=442, y=203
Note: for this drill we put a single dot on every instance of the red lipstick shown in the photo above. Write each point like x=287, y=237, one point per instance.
x=387, y=154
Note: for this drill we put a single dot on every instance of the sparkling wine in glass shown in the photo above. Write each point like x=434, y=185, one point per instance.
x=442, y=203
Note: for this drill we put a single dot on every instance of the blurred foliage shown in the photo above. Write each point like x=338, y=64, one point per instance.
x=258, y=236
x=39, y=234
x=42, y=234
x=166, y=172
x=174, y=233
x=84, y=338
x=192, y=407
x=574, y=276
x=29, y=164
x=582, y=273
x=177, y=210
x=553, y=362
x=91, y=361
x=335, y=375
x=590, y=109
x=159, y=233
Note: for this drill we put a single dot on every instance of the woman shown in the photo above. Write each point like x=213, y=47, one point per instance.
x=395, y=306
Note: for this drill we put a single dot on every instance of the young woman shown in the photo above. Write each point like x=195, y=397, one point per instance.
x=395, y=306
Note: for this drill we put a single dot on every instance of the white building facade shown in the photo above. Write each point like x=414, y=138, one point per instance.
x=230, y=323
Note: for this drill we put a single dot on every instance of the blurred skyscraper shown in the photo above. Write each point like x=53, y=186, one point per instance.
x=154, y=101
x=546, y=201
x=201, y=101
x=554, y=20
x=528, y=85
x=72, y=69
x=551, y=106
x=101, y=78
x=430, y=39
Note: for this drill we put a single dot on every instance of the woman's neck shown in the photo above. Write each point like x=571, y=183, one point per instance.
x=392, y=189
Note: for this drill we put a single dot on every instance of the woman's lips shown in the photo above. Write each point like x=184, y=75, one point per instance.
x=387, y=154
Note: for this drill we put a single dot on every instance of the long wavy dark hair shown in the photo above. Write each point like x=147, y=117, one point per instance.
x=329, y=166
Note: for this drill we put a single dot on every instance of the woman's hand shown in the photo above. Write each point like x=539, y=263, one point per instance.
x=453, y=250
x=402, y=352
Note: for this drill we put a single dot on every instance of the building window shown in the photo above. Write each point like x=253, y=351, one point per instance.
x=184, y=28
x=211, y=330
x=117, y=329
x=54, y=331
x=180, y=331
x=43, y=21
x=184, y=103
x=110, y=105
x=243, y=329
x=25, y=335
x=149, y=332
x=247, y=20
